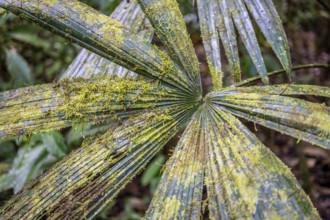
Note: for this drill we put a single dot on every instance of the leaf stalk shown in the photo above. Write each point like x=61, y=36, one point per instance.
x=305, y=66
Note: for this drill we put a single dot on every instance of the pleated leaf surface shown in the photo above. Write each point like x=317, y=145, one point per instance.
x=272, y=107
x=245, y=180
x=88, y=64
x=169, y=25
x=180, y=191
x=48, y=107
x=103, y=36
x=223, y=17
x=89, y=178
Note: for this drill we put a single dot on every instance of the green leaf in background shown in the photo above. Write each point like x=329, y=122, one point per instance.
x=3, y=16
x=152, y=170
x=42, y=151
x=19, y=69
x=54, y=143
x=7, y=149
x=27, y=34
x=77, y=134
x=105, y=6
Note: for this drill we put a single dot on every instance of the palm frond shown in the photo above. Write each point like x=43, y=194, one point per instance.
x=269, y=22
x=169, y=25
x=267, y=106
x=210, y=34
x=89, y=178
x=101, y=35
x=48, y=107
x=88, y=64
x=220, y=17
x=244, y=180
x=180, y=191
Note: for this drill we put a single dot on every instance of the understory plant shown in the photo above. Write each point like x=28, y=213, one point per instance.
x=145, y=96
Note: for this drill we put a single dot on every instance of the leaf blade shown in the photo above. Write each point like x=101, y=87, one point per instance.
x=179, y=193
x=18, y=68
x=211, y=42
x=244, y=26
x=244, y=179
x=270, y=24
x=88, y=64
x=295, y=117
x=117, y=156
x=48, y=107
x=169, y=25
x=102, y=35
x=285, y=89
x=228, y=15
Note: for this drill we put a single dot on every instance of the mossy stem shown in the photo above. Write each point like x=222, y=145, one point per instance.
x=324, y=5
x=307, y=66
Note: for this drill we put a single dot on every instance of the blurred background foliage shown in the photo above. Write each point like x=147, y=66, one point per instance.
x=31, y=55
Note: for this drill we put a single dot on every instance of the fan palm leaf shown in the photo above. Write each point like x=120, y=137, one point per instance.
x=158, y=95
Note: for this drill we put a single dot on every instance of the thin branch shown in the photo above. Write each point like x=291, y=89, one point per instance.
x=307, y=66
x=324, y=5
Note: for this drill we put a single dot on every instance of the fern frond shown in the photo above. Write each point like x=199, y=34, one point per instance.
x=267, y=106
x=89, y=178
x=48, y=107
